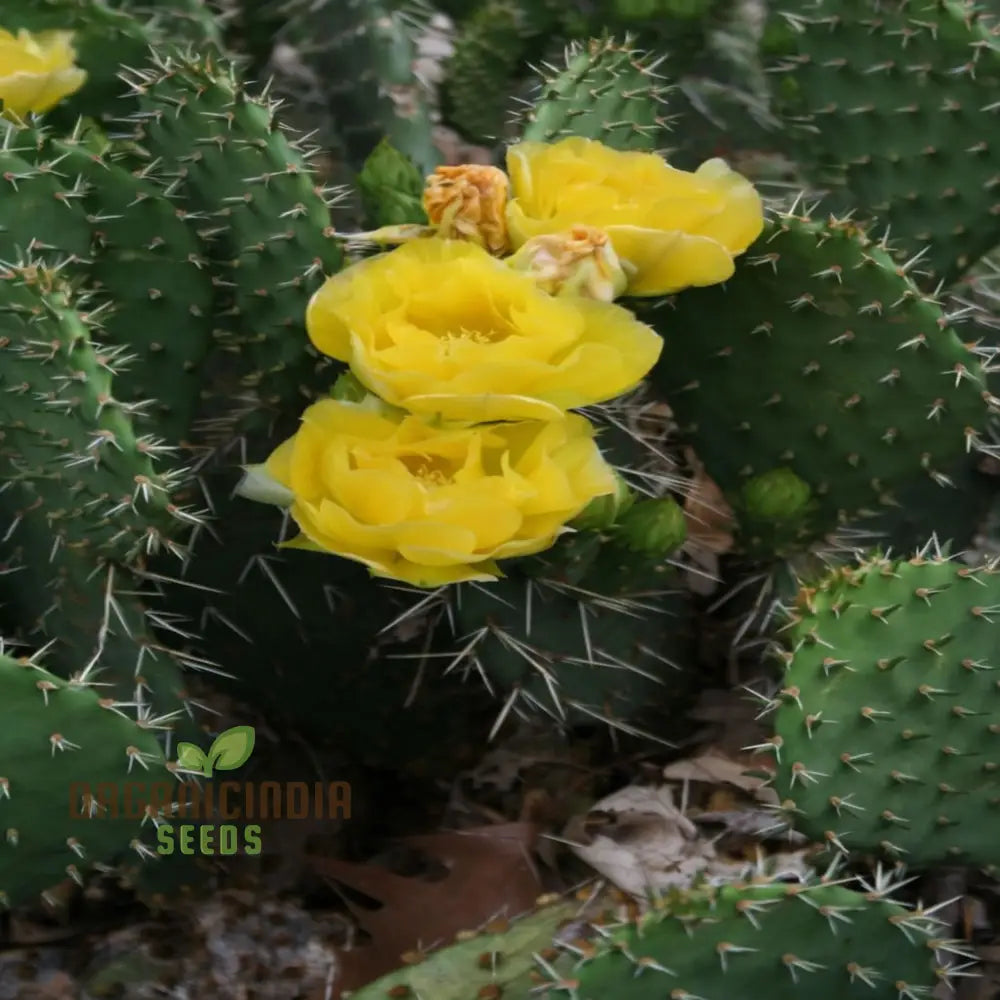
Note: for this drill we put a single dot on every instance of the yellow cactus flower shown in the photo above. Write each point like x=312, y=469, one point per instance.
x=440, y=327
x=670, y=228
x=430, y=504
x=580, y=262
x=37, y=71
x=467, y=202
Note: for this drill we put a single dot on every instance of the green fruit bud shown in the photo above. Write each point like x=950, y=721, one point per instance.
x=653, y=527
x=391, y=187
x=602, y=512
x=777, y=495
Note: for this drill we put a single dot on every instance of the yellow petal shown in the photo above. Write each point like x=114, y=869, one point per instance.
x=663, y=222
x=482, y=409
x=37, y=71
x=438, y=576
x=662, y=268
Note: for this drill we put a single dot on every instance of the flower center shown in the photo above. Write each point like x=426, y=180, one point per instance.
x=430, y=469
x=485, y=325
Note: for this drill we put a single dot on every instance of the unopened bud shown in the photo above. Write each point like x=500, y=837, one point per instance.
x=776, y=495
x=653, y=527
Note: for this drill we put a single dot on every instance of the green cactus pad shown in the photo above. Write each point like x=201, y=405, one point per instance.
x=97, y=616
x=896, y=104
x=146, y=260
x=266, y=222
x=195, y=21
x=888, y=721
x=38, y=219
x=819, y=356
x=789, y=942
x=70, y=448
x=817, y=940
x=61, y=741
x=607, y=91
x=575, y=655
x=496, y=962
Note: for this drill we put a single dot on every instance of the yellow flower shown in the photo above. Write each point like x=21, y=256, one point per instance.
x=36, y=71
x=441, y=327
x=430, y=505
x=580, y=262
x=467, y=202
x=671, y=229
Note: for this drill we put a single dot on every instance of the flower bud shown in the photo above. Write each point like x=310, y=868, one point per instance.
x=602, y=512
x=580, y=262
x=776, y=495
x=653, y=527
x=469, y=202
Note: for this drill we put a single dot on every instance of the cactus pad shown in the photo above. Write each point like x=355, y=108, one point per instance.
x=61, y=741
x=821, y=357
x=888, y=721
x=607, y=91
x=740, y=942
x=895, y=104
x=572, y=654
x=69, y=446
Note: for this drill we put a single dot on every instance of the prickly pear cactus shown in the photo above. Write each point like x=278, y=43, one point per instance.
x=78, y=779
x=608, y=91
x=206, y=140
x=893, y=105
x=70, y=450
x=822, y=358
x=887, y=724
x=574, y=654
x=738, y=942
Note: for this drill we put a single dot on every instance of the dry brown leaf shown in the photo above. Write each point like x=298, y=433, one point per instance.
x=716, y=768
x=709, y=517
x=490, y=874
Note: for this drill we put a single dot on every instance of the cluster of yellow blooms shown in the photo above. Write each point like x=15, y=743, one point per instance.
x=36, y=71
x=477, y=337
x=475, y=340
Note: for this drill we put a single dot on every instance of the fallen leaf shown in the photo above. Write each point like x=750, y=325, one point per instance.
x=709, y=517
x=490, y=875
x=642, y=843
x=717, y=769
x=639, y=841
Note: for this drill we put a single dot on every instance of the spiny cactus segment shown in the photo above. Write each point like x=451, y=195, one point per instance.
x=607, y=90
x=820, y=357
x=77, y=769
x=887, y=720
x=894, y=106
x=822, y=939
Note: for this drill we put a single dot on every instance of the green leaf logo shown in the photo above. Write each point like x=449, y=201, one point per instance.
x=230, y=749
x=191, y=757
